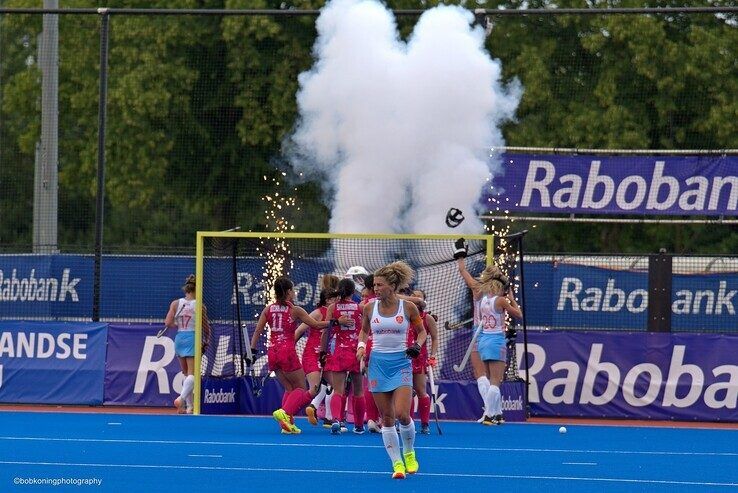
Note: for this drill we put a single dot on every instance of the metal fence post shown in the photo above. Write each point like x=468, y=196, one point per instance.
x=100, y=202
x=659, y=292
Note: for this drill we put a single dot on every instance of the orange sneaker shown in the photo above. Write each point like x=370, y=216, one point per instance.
x=312, y=414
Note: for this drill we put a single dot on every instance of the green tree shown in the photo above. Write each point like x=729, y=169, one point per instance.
x=200, y=106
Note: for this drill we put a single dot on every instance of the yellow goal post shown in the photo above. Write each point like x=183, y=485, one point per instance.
x=235, y=272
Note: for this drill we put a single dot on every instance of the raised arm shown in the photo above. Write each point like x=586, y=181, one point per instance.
x=460, y=252
x=468, y=278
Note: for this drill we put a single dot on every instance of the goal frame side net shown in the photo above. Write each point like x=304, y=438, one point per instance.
x=487, y=251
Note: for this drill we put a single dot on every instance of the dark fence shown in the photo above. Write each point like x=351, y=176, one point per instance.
x=125, y=131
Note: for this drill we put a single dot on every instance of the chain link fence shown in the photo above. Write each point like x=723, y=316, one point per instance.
x=194, y=107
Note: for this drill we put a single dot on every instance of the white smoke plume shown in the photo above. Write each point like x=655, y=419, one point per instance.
x=401, y=130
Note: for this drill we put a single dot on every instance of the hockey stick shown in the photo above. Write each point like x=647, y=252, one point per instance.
x=460, y=367
x=164, y=329
x=348, y=387
x=457, y=325
x=434, y=394
x=256, y=388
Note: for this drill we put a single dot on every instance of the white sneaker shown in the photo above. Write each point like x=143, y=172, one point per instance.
x=373, y=426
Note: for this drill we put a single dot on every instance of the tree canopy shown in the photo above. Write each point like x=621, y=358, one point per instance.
x=199, y=108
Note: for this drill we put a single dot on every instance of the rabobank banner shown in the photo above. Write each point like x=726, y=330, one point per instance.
x=52, y=363
x=141, y=369
x=633, y=375
x=45, y=287
x=590, y=184
x=557, y=294
x=60, y=287
x=568, y=295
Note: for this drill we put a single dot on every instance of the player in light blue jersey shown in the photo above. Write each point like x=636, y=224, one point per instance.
x=388, y=319
x=492, y=298
x=181, y=314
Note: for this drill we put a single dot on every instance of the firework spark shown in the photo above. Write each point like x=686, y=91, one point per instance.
x=276, y=251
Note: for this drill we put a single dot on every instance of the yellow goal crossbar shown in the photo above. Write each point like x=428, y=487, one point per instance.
x=200, y=248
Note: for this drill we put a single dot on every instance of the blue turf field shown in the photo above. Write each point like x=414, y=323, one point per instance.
x=163, y=453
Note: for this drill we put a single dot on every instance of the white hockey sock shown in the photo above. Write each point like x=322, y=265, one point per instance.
x=493, y=401
x=483, y=388
x=319, y=396
x=391, y=443
x=407, y=433
x=187, y=387
x=328, y=413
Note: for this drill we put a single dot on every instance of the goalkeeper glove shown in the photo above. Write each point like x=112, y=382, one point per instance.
x=460, y=248
x=413, y=351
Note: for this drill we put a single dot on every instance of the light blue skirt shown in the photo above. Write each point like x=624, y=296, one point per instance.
x=388, y=371
x=184, y=344
x=492, y=347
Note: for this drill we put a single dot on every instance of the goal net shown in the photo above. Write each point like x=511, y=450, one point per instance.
x=236, y=272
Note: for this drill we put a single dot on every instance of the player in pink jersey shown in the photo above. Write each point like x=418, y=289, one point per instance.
x=422, y=362
x=311, y=353
x=282, y=317
x=343, y=359
x=329, y=281
x=373, y=423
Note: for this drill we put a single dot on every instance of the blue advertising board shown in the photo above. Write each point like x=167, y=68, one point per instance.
x=568, y=295
x=43, y=287
x=558, y=294
x=141, y=369
x=633, y=375
x=591, y=184
x=52, y=363
x=134, y=288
